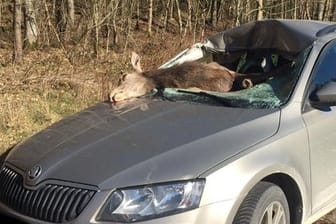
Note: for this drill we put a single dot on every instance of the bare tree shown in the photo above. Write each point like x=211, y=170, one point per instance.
x=30, y=23
x=114, y=22
x=150, y=17
x=214, y=11
x=330, y=9
x=321, y=9
x=108, y=24
x=18, y=53
x=96, y=16
x=260, y=10
x=71, y=12
x=283, y=9
x=58, y=12
x=137, y=24
x=166, y=15
x=221, y=10
x=237, y=12
x=70, y=20
x=189, y=22
x=179, y=15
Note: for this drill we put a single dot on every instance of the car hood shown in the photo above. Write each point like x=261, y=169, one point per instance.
x=141, y=142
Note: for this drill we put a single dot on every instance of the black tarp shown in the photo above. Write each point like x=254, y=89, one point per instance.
x=284, y=37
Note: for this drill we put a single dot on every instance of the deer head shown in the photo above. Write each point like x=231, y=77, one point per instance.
x=132, y=84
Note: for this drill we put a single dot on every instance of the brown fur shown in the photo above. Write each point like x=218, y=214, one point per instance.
x=212, y=77
x=187, y=75
x=192, y=74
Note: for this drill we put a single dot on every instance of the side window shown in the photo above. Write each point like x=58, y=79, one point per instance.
x=325, y=68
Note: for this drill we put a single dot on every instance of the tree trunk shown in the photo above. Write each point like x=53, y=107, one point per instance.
x=189, y=22
x=214, y=11
x=150, y=17
x=179, y=15
x=260, y=10
x=238, y=14
x=96, y=28
x=71, y=12
x=171, y=11
x=0, y=12
x=60, y=19
x=321, y=10
x=203, y=24
x=70, y=20
x=295, y=9
x=283, y=9
x=116, y=5
x=305, y=14
x=30, y=23
x=330, y=10
x=221, y=9
x=166, y=15
x=18, y=54
x=137, y=24
x=332, y=15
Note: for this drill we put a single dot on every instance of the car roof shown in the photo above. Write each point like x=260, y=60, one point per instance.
x=286, y=37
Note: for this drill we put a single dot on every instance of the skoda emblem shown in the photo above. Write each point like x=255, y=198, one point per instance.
x=34, y=172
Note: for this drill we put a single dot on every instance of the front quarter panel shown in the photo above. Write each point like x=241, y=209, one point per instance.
x=286, y=152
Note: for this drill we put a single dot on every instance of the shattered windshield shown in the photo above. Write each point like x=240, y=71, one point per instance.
x=272, y=93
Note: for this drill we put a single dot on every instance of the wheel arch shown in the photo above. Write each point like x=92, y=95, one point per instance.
x=266, y=164
x=292, y=192
x=288, y=179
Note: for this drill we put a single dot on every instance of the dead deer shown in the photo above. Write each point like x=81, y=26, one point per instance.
x=211, y=77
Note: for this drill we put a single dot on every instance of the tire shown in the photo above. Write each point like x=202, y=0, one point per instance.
x=266, y=203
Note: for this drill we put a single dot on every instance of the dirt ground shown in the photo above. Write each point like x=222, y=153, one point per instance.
x=328, y=219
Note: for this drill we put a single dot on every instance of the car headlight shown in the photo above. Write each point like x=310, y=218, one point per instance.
x=151, y=201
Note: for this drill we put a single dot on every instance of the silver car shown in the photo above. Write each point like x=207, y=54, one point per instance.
x=259, y=155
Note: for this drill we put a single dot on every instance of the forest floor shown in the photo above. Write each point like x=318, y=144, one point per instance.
x=53, y=83
x=327, y=219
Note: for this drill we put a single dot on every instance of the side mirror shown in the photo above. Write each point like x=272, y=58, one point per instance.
x=325, y=96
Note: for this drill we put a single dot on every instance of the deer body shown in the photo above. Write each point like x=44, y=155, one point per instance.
x=211, y=77
x=192, y=74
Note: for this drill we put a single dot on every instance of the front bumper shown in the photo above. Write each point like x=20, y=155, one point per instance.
x=216, y=213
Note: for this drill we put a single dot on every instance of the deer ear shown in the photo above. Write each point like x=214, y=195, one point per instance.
x=135, y=60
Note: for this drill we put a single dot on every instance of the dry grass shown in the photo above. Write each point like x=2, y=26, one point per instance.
x=52, y=83
x=330, y=218
x=45, y=88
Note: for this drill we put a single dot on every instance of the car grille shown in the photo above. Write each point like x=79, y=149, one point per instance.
x=53, y=203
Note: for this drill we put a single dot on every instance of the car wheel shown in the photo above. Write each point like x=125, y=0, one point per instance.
x=266, y=203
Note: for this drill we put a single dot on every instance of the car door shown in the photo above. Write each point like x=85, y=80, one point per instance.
x=321, y=128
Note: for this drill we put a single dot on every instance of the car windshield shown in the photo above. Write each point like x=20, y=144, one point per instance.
x=272, y=93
